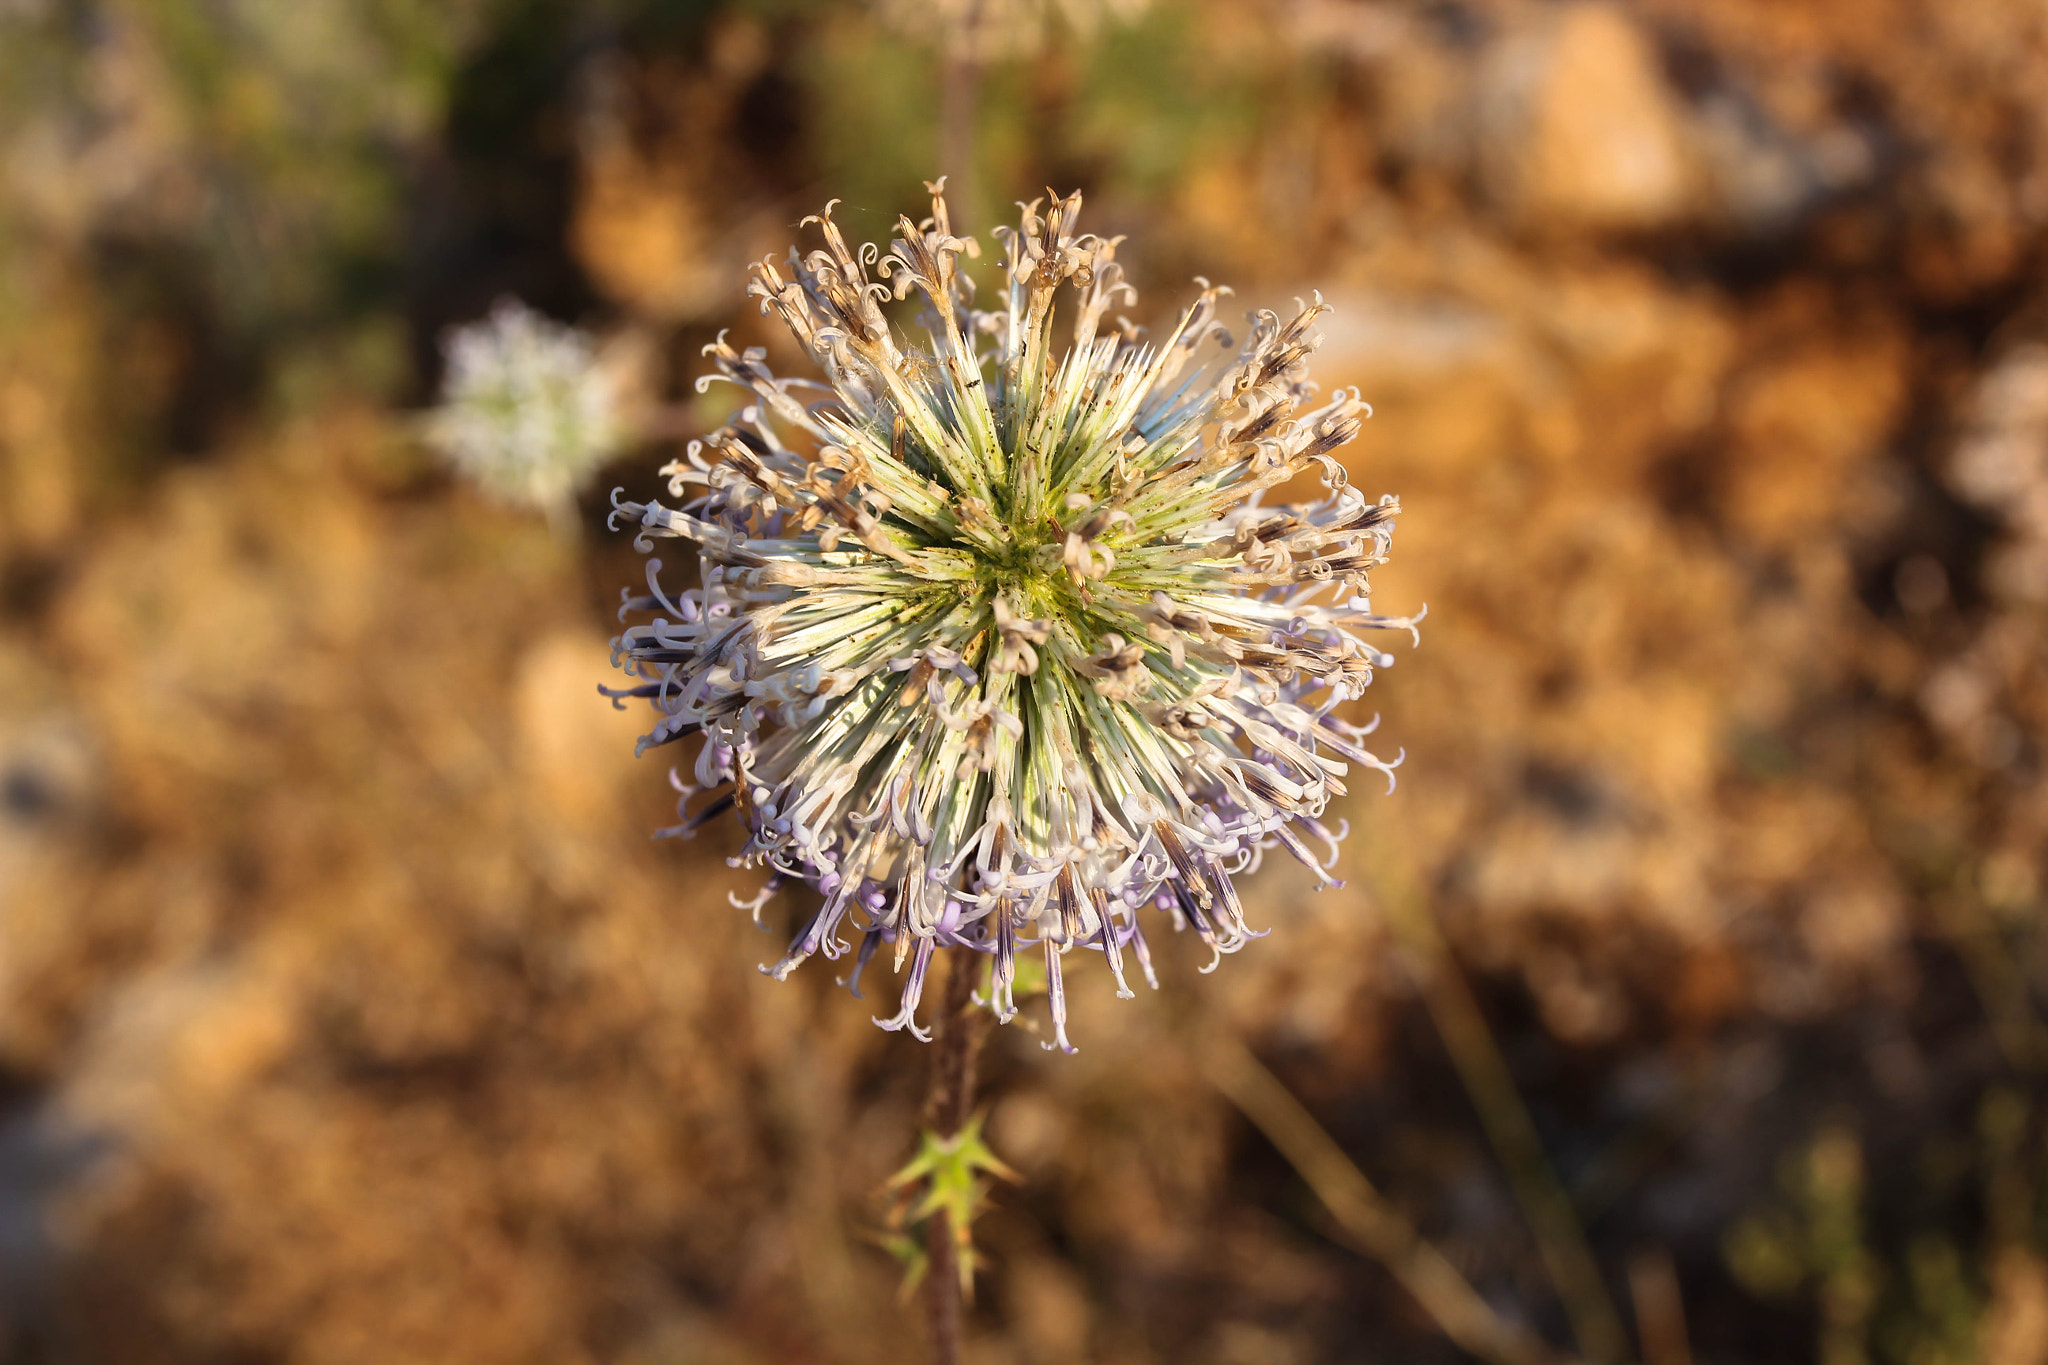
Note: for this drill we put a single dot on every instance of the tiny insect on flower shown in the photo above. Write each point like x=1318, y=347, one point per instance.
x=998, y=645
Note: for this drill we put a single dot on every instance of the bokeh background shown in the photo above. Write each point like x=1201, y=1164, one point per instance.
x=348, y=1013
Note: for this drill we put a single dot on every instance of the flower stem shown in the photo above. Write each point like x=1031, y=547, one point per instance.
x=956, y=1037
x=959, y=84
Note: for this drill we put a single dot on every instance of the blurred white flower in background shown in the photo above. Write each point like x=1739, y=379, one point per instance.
x=529, y=408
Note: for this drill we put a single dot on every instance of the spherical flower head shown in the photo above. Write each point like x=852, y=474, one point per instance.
x=528, y=408
x=997, y=643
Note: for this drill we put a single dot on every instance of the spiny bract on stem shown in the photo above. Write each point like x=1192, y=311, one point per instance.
x=996, y=644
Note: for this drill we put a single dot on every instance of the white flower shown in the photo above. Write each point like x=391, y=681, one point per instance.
x=528, y=408
x=997, y=642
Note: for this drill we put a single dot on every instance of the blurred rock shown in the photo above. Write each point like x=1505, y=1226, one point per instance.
x=666, y=218
x=2015, y=1332
x=2000, y=463
x=1578, y=126
x=1051, y=1309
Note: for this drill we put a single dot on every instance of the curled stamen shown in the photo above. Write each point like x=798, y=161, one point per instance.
x=1056, y=1001
x=913, y=991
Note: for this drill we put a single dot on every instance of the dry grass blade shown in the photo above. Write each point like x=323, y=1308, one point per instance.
x=1368, y=1223
x=1559, y=1238
x=1660, y=1307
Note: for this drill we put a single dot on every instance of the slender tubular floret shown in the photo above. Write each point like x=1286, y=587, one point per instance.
x=996, y=642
